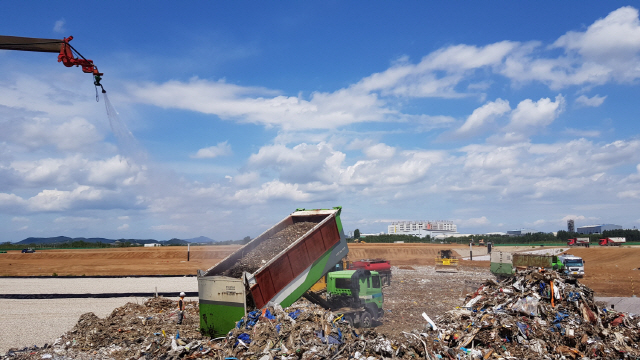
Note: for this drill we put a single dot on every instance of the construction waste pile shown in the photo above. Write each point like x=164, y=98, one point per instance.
x=533, y=315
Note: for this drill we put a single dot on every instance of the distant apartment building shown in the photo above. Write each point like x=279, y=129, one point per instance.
x=423, y=228
x=597, y=229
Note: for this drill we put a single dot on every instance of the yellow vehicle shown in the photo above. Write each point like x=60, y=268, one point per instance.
x=446, y=261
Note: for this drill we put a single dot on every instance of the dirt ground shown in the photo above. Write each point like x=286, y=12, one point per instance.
x=610, y=270
x=419, y=288
x=169, y=260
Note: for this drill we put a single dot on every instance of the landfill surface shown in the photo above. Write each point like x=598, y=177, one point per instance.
x=268, y=249
x=533, y=315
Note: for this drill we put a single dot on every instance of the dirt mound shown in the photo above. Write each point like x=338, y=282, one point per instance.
x=268, y=249
x=406, y=267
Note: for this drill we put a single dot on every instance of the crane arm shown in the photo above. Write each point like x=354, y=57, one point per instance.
x=30, y=44
x=62, y=47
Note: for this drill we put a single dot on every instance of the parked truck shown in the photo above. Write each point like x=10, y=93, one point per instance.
x=583, y=241
x=286, y=277
x=573, y=265
x=612, y=241
x=506, y=264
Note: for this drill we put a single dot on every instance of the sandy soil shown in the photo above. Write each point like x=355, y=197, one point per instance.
x=610, y=271
x=169, y=260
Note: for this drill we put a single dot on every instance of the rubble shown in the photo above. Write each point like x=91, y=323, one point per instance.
x=533, y=315
x=268, y=249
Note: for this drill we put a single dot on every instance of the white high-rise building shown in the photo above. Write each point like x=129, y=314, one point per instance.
x=423, y=228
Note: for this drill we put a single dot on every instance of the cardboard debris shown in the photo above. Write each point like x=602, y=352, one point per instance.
x=519, y=318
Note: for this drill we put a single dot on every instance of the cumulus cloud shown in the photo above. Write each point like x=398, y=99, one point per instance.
x=422, y=79
x=530, y=115
x=123, y=227
x=483, y=115
x=379, y=151
x=222, y=149
x=594, y=101
x=263, y=106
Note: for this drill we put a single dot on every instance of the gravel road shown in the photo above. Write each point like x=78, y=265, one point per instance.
x=36, y=322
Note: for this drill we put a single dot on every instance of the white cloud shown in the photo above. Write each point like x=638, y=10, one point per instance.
x=531, y=115
x=57, y=200
x=262, y=106
x=123, y=227
x=59, y=26
x=421, y=80
x=379, y=151
x=594, y=101
x=109, y=172
x=270, y=191
x=482, y=115
x=472, y=222
x=582, y=133
x=211, y=152
x=614, y=40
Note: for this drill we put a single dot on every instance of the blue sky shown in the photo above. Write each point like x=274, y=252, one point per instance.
x=496, y=115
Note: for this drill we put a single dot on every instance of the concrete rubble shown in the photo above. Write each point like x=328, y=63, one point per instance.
x=533, y=315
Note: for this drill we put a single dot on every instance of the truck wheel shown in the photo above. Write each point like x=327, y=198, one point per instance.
x=365, y=320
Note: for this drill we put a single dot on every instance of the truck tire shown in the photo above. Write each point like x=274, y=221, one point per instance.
x=365, y=320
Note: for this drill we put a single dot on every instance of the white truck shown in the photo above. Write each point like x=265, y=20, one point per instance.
x=573, y=265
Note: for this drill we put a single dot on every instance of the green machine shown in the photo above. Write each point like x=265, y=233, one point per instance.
x=356, y=294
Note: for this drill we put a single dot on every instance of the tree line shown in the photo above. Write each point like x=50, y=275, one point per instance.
x=632, y=235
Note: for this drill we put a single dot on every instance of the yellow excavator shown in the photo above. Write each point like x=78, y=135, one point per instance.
x=446, y=261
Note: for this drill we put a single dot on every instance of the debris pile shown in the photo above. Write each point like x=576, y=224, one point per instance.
x=268, y=249
x=533, y=315
x=130, y=331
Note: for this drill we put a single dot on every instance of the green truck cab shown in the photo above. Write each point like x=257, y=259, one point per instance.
x=356, y=294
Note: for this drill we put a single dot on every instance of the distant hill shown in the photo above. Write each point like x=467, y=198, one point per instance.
x=66, y=239
x=200, y=239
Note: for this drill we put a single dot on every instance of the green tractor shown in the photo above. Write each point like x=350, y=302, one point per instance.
x=356, y=295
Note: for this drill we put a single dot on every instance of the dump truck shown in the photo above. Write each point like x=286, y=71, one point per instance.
x=573, y=265
x=506, y=264
x=584, y=241
x=612, y=241
x=283, y=279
